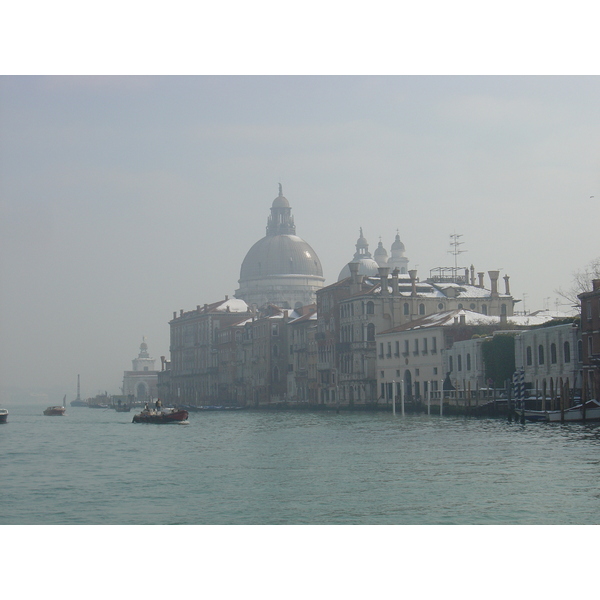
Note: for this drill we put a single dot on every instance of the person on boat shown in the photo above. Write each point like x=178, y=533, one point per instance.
x=146, y=408
x=158, y=404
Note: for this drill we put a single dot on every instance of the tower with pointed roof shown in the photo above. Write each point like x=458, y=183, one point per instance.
x=141, y=381
x=397, y=260
x=281, y=268
x=366, y=265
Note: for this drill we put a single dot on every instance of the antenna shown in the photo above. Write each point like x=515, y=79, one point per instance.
x=455, y=243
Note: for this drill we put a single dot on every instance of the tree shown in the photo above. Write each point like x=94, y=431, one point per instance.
x=582, y=282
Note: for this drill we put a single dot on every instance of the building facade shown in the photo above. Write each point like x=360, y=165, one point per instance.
x=590, y=338
x=141, y=382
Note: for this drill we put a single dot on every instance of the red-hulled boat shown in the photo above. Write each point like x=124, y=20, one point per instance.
x=152, y=416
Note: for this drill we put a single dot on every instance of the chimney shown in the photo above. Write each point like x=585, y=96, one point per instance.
x=383, y=276
x=206, y=308
x=480, y=275
x=506, y=285
x=466, y=275
x=181, y=312
x=197, y=308
x=174, y=314
x=462, y=319
x=413, y=281
x=595, y=285
x=494, y=281
x=395, y=288
x=472, y=275
x=226, y=297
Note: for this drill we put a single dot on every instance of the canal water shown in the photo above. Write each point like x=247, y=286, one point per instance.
x=94, y=466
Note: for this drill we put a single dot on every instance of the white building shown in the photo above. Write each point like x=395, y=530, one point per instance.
x=549, y=354
x=141, y=382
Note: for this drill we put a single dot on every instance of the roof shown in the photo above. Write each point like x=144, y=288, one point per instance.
x=452, y=317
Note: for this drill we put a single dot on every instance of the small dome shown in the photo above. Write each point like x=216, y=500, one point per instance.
x=380, y=251
x=398, y=245
x=366, y=266
x=281, y=201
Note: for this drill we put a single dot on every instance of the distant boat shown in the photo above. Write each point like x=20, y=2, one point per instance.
x=78, y=401
x=3, y=415
x=152, y=416
x=54, y=411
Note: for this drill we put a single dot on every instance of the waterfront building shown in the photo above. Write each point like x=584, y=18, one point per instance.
x=301, y=377
x=353, y=310
x=194, y=368
x=590, y=338
x=550, y=354
x=281, y=268
x=141, y=381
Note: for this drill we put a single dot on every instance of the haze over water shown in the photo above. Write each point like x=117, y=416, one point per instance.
x=264, y=468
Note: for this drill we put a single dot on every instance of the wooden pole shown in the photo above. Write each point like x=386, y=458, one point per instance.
x=544, y=394
x=393, y=397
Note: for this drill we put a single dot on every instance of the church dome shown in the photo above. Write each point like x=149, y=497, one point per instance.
x=366, y=266
x=380, y=255
x=281, y=268
x=398, y=245
x=280, y=255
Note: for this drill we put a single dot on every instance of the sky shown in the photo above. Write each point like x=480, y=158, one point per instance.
x=126, y=198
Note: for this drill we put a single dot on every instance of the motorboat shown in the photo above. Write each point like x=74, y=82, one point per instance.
x=161, y=416
x=57, y=411
x=3, y=415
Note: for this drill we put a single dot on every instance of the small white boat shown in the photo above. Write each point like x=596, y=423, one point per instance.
x=3, y=415
x=576, y=413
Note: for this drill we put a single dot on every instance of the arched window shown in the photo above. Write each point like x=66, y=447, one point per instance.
x=529, y=356
x=567, y=352
x=468, y=362
x=421, y=309
x=406, y=308
x=553, y=353
x=460, y=307
x=370, y=308
x=484, y=309
x=540, y=354
x=459, y=362
x=370, y=332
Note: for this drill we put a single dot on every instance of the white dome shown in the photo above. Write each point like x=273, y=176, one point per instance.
x=366, y=266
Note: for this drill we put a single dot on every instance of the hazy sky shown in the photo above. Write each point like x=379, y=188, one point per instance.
x=123, y=199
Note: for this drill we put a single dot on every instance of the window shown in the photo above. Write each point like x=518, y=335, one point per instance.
x=460, y=307
x=406, y=348
x=382, y=374
x=421, y=309
x=553, y=353
x=370, y=332
x=435, y=370
x=529, y=358
x=440, y=306
x=406, y=308
x=459, y=362
x=370, y=308
x=424, y=345
x=416, y=351
x=589, y=309
x=389, y=350
x=381, y=350
x=484, y=309
x=567, y=352
x=540, y=354
x=397, y=353
x=468, y=362
x=274, y=329
x=433, y=345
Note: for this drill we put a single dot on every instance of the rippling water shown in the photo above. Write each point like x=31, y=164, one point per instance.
x=96, y=467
